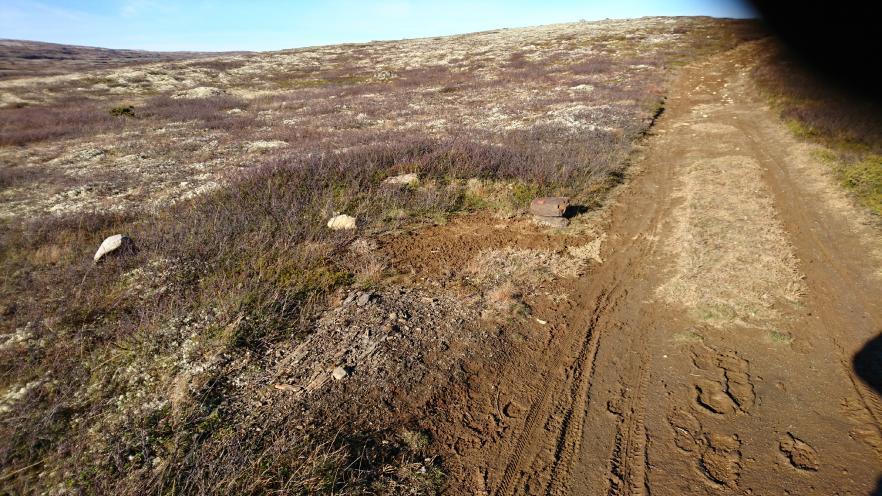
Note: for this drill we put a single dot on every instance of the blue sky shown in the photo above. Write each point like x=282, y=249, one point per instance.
x=272, y=25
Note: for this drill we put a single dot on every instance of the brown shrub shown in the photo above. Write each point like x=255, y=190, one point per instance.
x=217, y=65
x=595, y=65
x=822, y=108
x=20, y=126
x=210, y=112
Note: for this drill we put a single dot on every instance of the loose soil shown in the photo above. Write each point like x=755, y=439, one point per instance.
x=706, y=348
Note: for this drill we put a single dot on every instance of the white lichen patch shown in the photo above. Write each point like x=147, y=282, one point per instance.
x=21, y=337
x=259, y=146
x=16, y=393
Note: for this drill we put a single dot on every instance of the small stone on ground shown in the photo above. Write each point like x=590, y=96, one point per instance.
x=403, y=180
x=341, y=221
x=340, y=373
x=549, y=206
x=110, y=245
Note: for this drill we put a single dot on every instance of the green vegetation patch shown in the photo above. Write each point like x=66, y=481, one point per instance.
x=814, y=111
x=779, y=337
x=123, y=111
x=864, y=178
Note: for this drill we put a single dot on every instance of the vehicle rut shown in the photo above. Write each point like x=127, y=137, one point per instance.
x=729, y=280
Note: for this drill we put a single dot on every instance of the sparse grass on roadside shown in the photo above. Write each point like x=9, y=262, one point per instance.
x=779, y=337
x=818, y=112
x=864, y=177
x=688, y=337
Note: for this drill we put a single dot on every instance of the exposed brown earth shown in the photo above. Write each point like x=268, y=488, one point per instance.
x=711, y=351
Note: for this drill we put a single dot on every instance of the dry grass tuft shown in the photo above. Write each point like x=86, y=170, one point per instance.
x=819, y=112
x=756, y=273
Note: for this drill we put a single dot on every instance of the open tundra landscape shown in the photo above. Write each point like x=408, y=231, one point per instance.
x=621, y=257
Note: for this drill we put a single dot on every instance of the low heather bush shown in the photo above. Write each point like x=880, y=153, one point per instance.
x=217, y=65
x=20, y=126
x=819, y=111
x=594, y=65
x=16, y=176
x=210, y=112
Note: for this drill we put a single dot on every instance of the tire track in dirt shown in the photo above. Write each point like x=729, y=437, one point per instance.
x=540, y=410
x=646, y=395
x=628, y=461
x=570, y=436
x=841, y=293
x=620, y=281
x=610, y=287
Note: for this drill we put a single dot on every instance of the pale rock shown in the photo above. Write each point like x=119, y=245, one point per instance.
x=339, y=373
x=364, y=299
x=556, y=222
x=202, y=92
x=403, y=180
x=259, y=146
x=110, y=245
x=549, y=206
x=341, y=221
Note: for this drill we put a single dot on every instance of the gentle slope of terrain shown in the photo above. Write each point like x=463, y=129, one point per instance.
x=702, y=326
x=23, y=59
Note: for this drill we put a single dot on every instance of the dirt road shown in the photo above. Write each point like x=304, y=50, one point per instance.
x=712, y=350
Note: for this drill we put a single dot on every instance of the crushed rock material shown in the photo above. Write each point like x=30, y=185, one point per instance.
x=557, y=222
x=405, y=338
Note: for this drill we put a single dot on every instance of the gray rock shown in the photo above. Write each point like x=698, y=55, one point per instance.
x=549, y=206
x=363, y=299
x=112, y=244
x=556, y=222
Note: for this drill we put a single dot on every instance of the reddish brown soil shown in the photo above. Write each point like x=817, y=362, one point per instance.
x=629, y=389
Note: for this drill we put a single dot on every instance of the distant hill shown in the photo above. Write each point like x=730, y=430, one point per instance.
x=19, y=58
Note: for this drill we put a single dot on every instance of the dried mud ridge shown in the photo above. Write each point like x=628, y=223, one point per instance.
x=711, y=351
